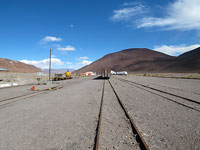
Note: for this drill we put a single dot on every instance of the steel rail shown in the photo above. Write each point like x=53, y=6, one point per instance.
x=142, y=144
x=12, y=99
x=175, y=88
x=97, y=137
x=136, y=85
x=178, y=96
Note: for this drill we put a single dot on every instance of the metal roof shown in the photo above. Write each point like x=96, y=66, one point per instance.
x=2, y=69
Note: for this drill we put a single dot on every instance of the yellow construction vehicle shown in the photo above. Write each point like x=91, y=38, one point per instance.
x=65, y=76
x=68, y=74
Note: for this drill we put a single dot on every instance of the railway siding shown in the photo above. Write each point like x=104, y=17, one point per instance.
x=116, y=132
x=164, y=124
x=184, y=101
x=187, y=88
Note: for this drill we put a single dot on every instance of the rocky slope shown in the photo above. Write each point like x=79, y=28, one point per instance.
x=146, y=60
x=187, y=62
x=139, y=59
x=16, y=66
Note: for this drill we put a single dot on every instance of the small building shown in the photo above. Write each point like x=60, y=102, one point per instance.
x=90, y=73
x=3, y=70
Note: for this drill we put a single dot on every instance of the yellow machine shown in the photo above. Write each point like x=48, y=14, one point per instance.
x=65, y=76
x=68, y=74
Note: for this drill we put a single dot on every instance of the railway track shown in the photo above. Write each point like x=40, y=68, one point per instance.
x=174, y=88
x=24, y=96
x=193, y=103
x=138, y=137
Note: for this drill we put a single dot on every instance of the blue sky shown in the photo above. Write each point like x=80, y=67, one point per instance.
x=82, y=31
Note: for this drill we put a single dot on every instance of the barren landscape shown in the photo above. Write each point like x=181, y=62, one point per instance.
x=164, y=111
x=100, y=75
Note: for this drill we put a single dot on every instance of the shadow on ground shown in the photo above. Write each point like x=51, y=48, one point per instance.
x=100, y=78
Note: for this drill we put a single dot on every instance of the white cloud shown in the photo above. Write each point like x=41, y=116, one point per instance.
x=51, y=39
x=67, y=48
x=86, y=62
x=75, y=66
x=68, y=63
x=128, y=12
x=131, y=3
x=85, y=57
x=175, y=50
x=181, y=15
x=79, y=65
x=44, y=64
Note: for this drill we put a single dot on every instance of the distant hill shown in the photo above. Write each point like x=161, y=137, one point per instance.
x=187, y=62
x=63, y=70
x=16, y=66
x=146, y=60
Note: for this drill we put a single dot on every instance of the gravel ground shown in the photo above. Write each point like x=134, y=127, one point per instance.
x=116, y=132
x=11, y=92
x=67, y=118
x=164, y=124
x=64, y=119
x=188, y=88
x=176, y=94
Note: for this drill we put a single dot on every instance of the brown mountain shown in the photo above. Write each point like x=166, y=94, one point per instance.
x=187, y=62
x=16, y=66
x=138, y=59
x=145, y=60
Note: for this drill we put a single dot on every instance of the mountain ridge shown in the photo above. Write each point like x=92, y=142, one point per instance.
x=17, y=66
x=144, y=60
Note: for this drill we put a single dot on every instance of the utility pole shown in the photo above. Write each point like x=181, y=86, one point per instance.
x=50, y=66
